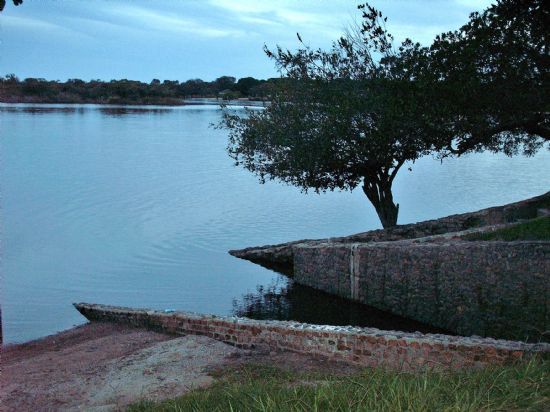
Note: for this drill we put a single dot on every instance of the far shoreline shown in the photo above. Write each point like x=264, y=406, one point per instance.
x=194, y=101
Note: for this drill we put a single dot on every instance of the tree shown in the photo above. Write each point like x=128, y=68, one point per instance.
x=339, y=118
x=15, y=2
x=491, y=80
x=224, y=83
x=11, y=78
x=245, y=84
x=193, y=87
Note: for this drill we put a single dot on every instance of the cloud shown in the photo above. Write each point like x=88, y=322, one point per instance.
x=171, y=22
x=33, y=24
x=260, y=21
x=194, y=38
x=286, y=17
x=246, y=6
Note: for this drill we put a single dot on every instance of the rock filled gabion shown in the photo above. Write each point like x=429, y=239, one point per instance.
x=492, y=288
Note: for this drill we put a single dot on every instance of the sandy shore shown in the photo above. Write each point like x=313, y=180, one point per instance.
x=104, y=367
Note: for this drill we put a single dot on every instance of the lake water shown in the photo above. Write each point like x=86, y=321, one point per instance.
x=137, y=206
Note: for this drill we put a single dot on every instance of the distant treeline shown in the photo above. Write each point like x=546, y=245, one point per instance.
x=33, y=90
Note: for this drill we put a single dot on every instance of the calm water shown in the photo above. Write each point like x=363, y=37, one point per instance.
x=138, y=206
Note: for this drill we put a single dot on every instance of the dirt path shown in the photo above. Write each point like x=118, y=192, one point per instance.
x=105, y=367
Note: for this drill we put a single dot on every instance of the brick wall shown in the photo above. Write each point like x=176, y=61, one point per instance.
x=364, y=346
x=499, y=289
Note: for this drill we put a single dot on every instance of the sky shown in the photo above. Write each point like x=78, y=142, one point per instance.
x=185, y=39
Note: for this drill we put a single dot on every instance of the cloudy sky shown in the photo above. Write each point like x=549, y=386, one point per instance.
x=183, y=39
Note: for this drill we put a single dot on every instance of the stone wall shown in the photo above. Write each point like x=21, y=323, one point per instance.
x=280, y=257
x=363, y=346
x=493, y=288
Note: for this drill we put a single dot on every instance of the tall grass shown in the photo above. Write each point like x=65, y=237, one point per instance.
x=523, y=387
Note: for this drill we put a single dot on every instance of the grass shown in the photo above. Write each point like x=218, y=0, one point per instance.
x=252, y=387
x=535, y=229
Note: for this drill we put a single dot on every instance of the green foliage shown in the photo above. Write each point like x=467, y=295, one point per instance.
x=356, y=113
x=339, y=118
x=491, y=80
x=258, y=388
x=536, y=229
x=122, y=91
x=224, y=83
x=247, y=85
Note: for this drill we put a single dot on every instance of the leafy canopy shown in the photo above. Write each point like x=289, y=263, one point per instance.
x=492, y=80
x=337, y=116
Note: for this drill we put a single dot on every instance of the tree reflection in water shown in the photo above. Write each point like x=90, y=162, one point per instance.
x=287, y=300
x=122, y=111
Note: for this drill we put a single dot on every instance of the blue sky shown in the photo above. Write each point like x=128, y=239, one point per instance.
x=183, y=39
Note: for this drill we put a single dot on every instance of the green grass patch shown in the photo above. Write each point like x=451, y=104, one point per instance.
x=523, y=387
x=535, y=229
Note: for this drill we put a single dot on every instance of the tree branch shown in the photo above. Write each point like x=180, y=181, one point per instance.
x=396, y=169
x=530, y=127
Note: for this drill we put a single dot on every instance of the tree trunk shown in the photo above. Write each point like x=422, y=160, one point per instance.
x=378, y=190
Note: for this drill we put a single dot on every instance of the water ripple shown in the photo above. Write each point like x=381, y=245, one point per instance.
x=138, y=207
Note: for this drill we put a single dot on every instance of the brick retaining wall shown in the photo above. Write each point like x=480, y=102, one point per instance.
x=364, y=346
x=471, y=288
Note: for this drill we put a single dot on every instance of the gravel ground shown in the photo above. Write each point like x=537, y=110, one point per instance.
x=105, y=367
